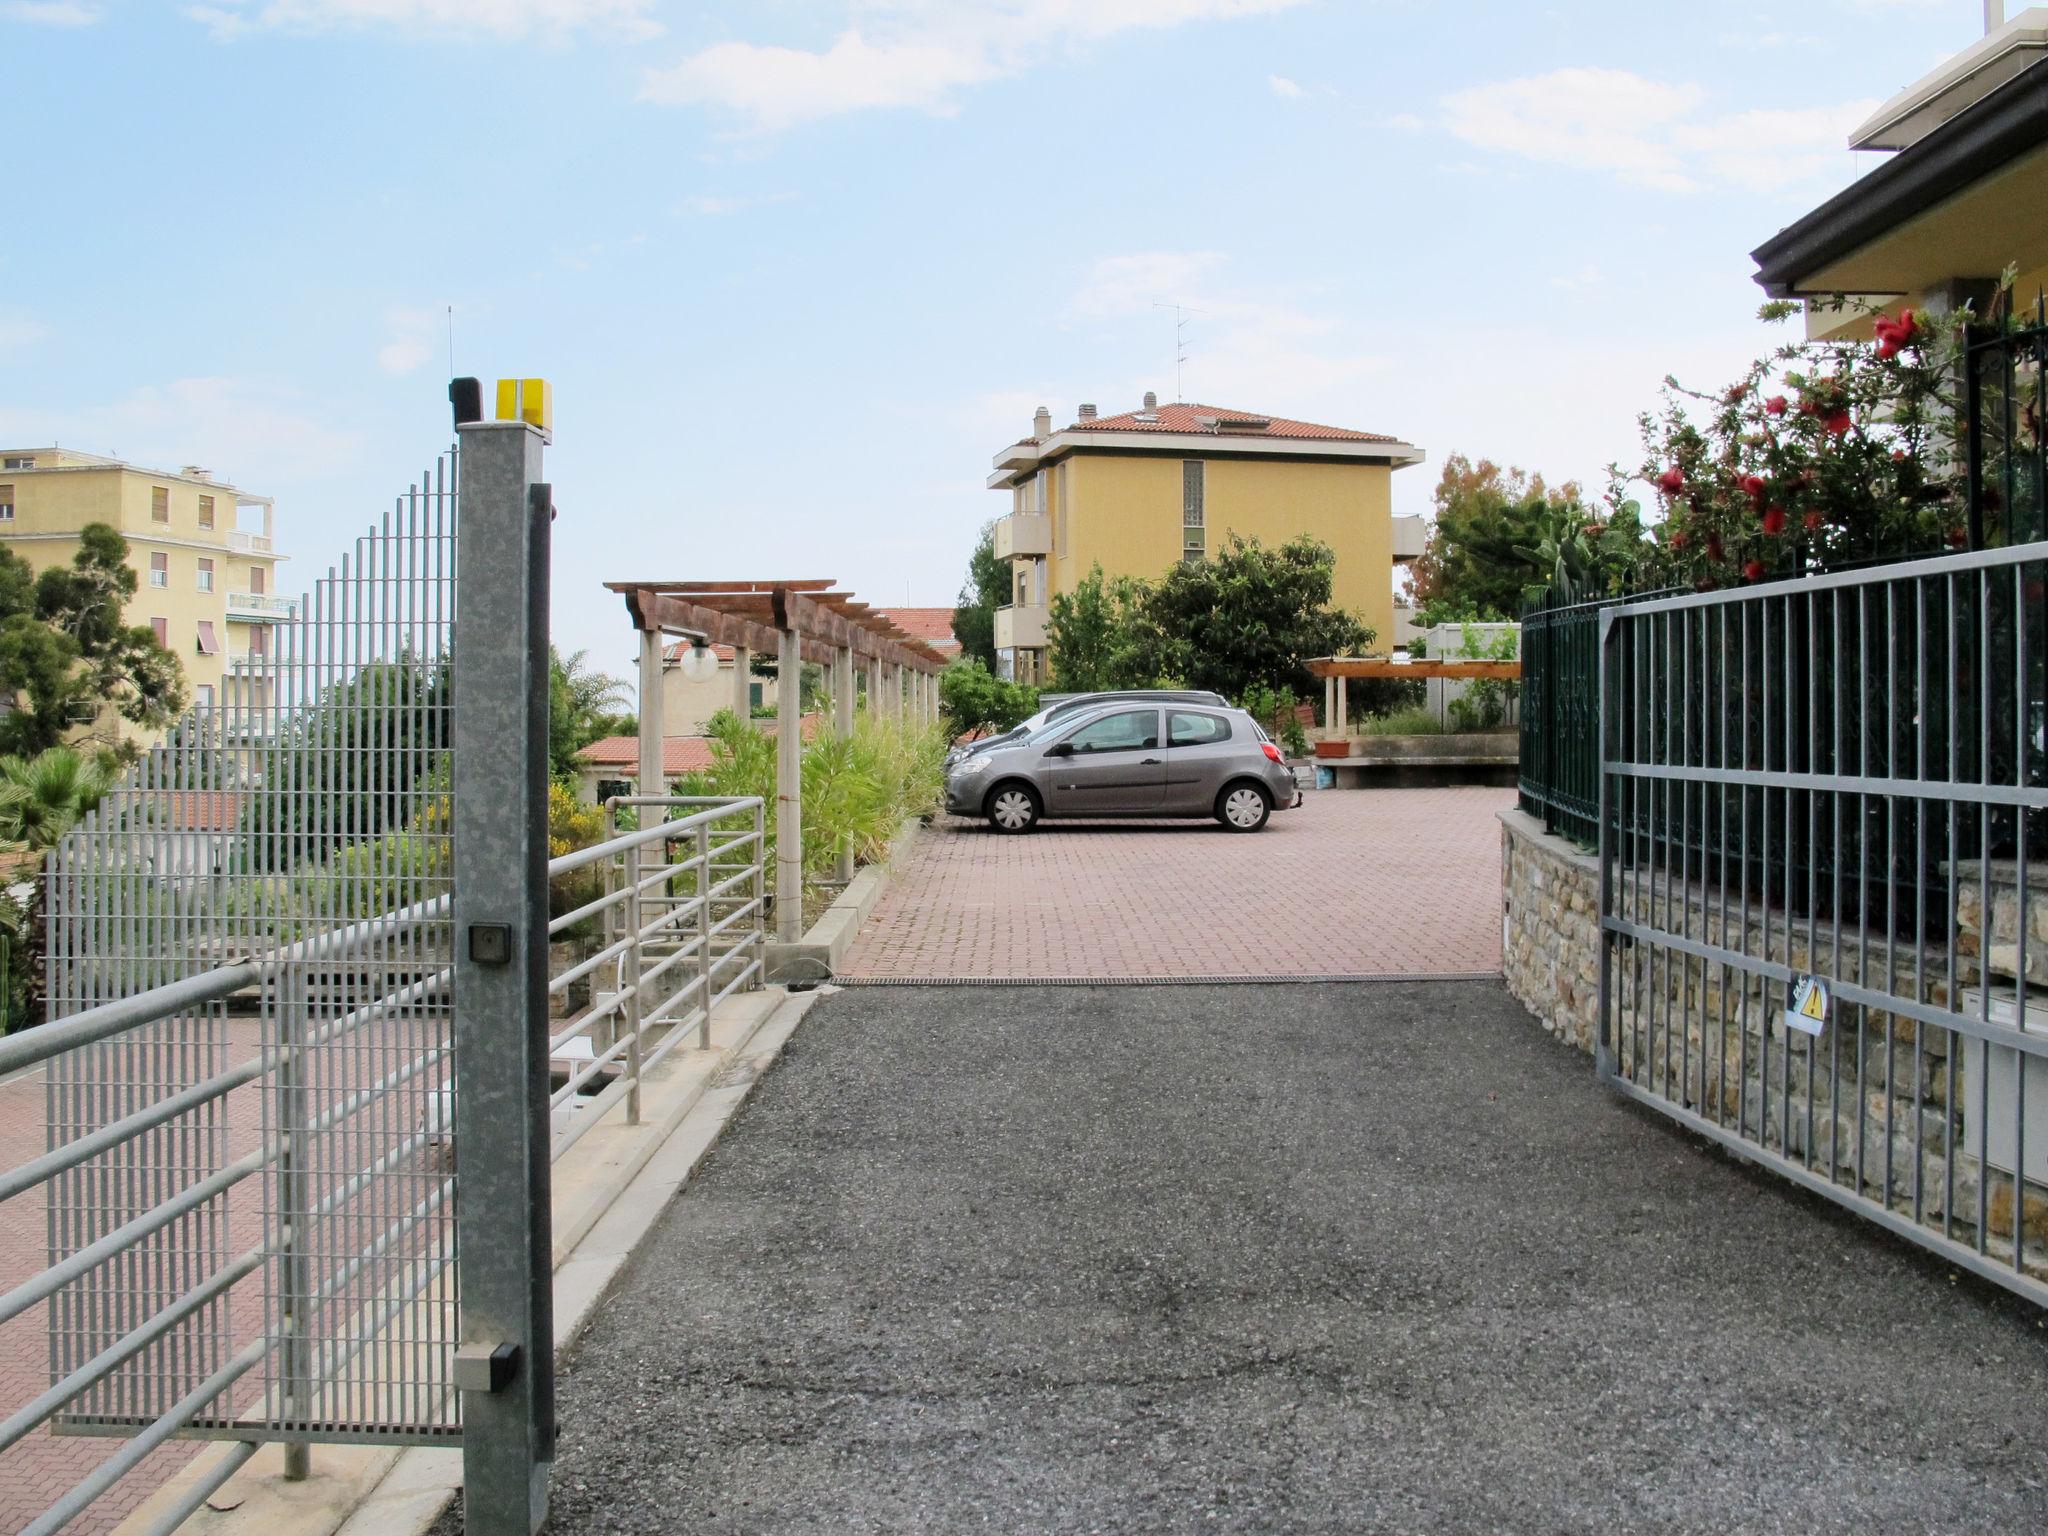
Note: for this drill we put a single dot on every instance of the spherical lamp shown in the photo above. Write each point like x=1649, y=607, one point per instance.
x=699, y=662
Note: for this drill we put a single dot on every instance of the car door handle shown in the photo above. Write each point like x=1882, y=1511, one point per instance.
x=1149, y=762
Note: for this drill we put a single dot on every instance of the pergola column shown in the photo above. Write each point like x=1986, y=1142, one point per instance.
x=789, y=788
x=652, y=781
x=743, y=682
x=842, y=721
x=1330, y=702
x=1343, y=703
x=874, y=688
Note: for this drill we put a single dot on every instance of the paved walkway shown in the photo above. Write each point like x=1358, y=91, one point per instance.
x=1337, y=1258
x=1356, y=882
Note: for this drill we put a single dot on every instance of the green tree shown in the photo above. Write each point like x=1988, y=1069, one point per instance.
x=1485, y=547
x=583, y=706
x=43, y=797
x=986, y=589
x=974, y=698
x=66, y=651
x=1093, y=634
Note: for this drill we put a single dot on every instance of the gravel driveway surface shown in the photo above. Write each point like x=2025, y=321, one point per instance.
x=1371, y=1257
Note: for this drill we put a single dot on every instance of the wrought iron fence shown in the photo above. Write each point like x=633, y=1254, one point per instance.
x=1822, y=851
x=1560, y=759
x=2008, y=439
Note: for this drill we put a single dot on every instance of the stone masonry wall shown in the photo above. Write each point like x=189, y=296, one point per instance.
x=1550, y=939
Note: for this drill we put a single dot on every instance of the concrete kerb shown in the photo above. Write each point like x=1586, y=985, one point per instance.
x=816, y=956
x=609, y=1190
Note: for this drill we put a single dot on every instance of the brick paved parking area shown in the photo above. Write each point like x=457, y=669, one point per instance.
x=1356, y=882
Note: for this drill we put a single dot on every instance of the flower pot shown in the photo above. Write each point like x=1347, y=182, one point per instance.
x=1333, y=749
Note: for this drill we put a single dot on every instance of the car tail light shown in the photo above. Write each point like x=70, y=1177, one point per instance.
x=1272, y=752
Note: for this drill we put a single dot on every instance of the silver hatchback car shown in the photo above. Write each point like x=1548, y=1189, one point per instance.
x=1129, y=760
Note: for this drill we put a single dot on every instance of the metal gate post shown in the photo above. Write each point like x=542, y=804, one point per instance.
x=1603, y=1040
x=505, y=1364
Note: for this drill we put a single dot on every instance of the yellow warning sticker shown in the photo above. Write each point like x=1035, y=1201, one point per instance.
x=1809, y=1010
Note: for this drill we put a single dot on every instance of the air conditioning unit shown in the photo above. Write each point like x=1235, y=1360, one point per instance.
x=1991, y=1088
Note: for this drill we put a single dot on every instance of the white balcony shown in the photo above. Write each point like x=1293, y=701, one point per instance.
x=1410, y=534
x=1021, y=628
x=260, y=607
x=1023, y=533
x=245, y=543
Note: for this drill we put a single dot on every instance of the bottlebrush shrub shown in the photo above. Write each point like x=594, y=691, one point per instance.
x=1823, y=453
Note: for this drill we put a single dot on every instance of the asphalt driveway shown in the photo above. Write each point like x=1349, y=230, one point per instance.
x=1357, y=1257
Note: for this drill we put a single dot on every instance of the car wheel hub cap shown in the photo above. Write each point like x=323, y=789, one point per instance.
x=1013, y=810
x=1242, y=807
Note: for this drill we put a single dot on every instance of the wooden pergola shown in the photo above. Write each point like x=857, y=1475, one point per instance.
x=1337, y=671
x=794, y=621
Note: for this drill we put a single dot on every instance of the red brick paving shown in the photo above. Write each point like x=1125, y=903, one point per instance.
x=1355, y=882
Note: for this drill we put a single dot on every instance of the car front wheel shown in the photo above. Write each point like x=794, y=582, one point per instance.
x=1244, y=808
x=1013, y=809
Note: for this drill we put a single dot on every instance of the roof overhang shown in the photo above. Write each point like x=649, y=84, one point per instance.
x=1213, y=445
x=1961, y=203
x=1957, y=85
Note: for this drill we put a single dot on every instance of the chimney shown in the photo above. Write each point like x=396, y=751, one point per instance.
x=1151, y=401
x=1041, y=424
x=1087, y=413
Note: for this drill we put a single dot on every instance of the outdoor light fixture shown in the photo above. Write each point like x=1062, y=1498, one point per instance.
x=699, y=662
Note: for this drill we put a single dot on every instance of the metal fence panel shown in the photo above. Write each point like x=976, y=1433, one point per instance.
x=1823, y=904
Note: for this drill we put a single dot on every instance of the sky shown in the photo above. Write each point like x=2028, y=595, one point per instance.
x=797, y=269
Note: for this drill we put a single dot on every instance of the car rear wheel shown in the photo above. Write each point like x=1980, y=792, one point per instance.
x=1244, y=807
x=1013, y=809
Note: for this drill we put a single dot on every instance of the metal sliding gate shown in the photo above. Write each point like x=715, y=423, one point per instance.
x=1824, y=888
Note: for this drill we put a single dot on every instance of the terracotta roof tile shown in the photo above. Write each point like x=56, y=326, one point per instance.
x=934, y=626
x=679, y=754
x=1204, y=418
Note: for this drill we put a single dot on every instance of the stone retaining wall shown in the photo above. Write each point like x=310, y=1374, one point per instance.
x=1550, y=928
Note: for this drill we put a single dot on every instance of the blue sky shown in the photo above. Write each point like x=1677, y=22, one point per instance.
x=797, y=268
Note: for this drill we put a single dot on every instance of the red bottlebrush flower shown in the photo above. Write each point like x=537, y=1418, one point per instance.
x=1813, y=522
x=1895, y=335
x=1672, y=481
x=1714, y=547
x=1836, y=423
x=1898, y=455
x=1958, y=537
x=1775, y=406
x=1753, y=486
x=1735, y=394
x=1677, y=539
x=1774, y=520
x=1753, y=570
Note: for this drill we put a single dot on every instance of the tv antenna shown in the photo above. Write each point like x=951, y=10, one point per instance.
x=1180, y=342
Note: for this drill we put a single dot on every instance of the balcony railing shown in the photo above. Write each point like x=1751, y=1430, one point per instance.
x=260, y=605
x=1021, y=627
x=248, y=543
x=1023, y=534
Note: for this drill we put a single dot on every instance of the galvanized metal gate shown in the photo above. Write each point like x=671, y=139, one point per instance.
x=1824, y=888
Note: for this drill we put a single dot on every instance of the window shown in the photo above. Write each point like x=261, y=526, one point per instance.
x=208, y=646
x=159, y=503
x=202, y=695
x=159, y=569
x=1193, y=512
x=206, y=511
x=162, y=627
x=753, y=695
x=257, y=576
x=259, y=640
x=17, y=461
x=206, y=575
x=6, y=503
x=1196, y=730
x=1134, y=730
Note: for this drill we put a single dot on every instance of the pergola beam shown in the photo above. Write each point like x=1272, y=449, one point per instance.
x=1342, y=667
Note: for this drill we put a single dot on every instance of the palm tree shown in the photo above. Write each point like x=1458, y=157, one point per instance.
x=41, y=797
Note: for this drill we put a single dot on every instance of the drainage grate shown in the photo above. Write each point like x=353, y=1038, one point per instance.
x=1157, y=981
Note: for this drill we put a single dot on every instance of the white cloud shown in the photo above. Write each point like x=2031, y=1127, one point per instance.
x=915, y=54
x=50, y=13
x=1406, y=122
x=503, y=19
x=1651, y=132
x=258, y=433
x=1284, y=87
x=408, y=339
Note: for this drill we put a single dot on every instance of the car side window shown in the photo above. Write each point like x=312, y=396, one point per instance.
x=1134, y=730
x=1196, y=730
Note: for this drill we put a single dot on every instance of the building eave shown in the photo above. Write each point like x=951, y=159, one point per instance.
x=1963, y=151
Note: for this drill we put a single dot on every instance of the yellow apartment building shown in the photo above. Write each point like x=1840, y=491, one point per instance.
x=1956, y=200
x=1137, y=492
x=202, y=551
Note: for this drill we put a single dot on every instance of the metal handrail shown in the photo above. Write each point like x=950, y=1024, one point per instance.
x=687, y=915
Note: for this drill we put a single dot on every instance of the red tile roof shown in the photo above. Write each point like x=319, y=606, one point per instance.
x=679, y=754
x=675, y=652
x=202, y=810
x=934, y=626
x=1204, y=418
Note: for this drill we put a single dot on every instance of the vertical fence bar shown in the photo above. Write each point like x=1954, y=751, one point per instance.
x=505, y=1364
x=634, y=959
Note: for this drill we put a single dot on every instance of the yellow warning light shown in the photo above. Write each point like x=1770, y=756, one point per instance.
x=529, y=400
